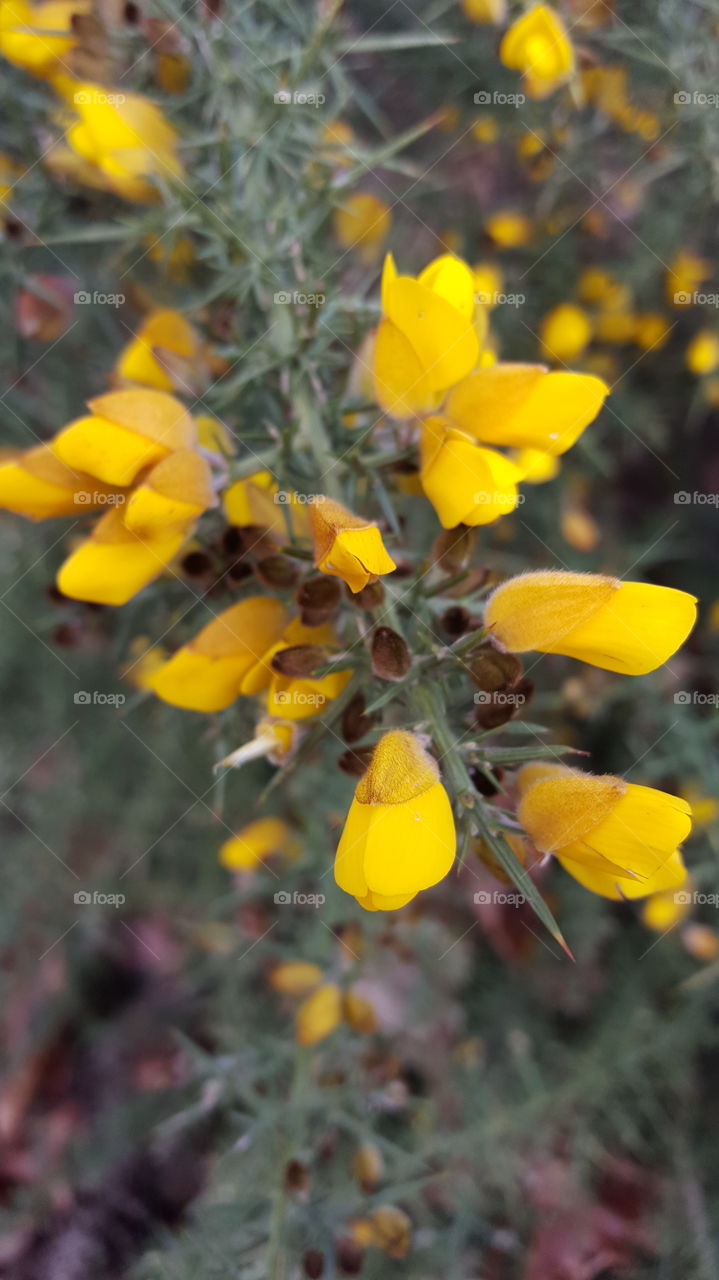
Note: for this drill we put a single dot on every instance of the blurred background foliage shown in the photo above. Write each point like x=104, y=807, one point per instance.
x=536, y=1119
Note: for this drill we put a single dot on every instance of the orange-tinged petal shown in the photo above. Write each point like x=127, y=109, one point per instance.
x=173, y=495
x=347, y=546
x=526, y=406
x=630, y=627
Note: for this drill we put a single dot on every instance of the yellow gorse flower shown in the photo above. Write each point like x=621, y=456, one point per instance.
x=465, y=483
x=526, y=406
x=565, y=331
x=162, y=331
x=485, y=11
x=399, y=836
x=122, y=141
x=39, y=37
x=226, y=658
x=37, y=484
x=617, y=839
x=259, y=840
x=426, y=340
x=361, y=223
x=630, y=627
x=346, y=546
x=298, y=697
x=538, y=45
x=125, y=432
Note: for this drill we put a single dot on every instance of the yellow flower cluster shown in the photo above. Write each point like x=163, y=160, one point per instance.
x=114, y=140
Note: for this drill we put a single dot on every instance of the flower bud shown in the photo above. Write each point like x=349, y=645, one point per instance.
x=391, y=658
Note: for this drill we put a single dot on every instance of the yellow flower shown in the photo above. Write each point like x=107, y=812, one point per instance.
x=486, y=129
x=509, y=229
x=662, y=911
x=485, y=11
x=126, y=432
x=124, y=139
x=617, y=839
x=565, y=331
x=173, y=494
x=297, y=697
x=526, y=406
x=258, y=840
x=537, y=467
x=295, y=977
x=702, y=354
x=346, y=546
x=426, y=340
x=163, y=331
x=537, y=44
x=226, y=658
x=114, y=563
x=487, y=283
x=362, y=222
x=595, y=285
x=146, y=659
x=399, y=835
x=39, y=38
x=684, y=276
x=651, y=330
x=37, y=484
x=319, y=1014
x=465, y=483
x=631, y=627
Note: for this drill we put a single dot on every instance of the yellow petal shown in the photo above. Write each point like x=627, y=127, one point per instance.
x=465, y=483
x=670, y=874
x=630, y=627
x=162, y=328
x=255, y=842
x=37, y=484
x=172, y=496
x=319, y=1014
x=450, y=278
x=442, y=337
x=537, y=44
x=114, y=564
x=526, y=405
x=560, y=805
x=401, y=385
x=347, y=546
x=236, y=500
x=207, y=673
x=295, y=977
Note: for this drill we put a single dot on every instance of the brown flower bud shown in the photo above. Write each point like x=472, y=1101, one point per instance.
x=319, y=599
x=356, y=761
x=497, y=707
x=355, y=724
x=277, y=571
x=297, y=1176
x=349, y=1257
x=298, y=659
x=452, y=548
x=391, y=657
x=314, y=1264
x=370, y=597
x=368, y=1166
x=492, y=670
x=456, y=621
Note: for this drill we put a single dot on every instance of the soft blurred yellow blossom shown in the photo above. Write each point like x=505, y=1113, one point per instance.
x=259, y=840
x=685, y=274
x=488, y=283
x=630, y=627
x=295, y=977
x=485, y=129
x=399, y=834
x=538, y=45
x=485, y=11
x=651, y=330
x=362, y=222
x=565, y=331
x=617, y=839
x=122, y=139
x=536, y=466
x=39, y=37
x=163, y=332
x=702, y=354
x=509, y=228
x=662, y=911
x=37, y=484
x=319, y=1014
